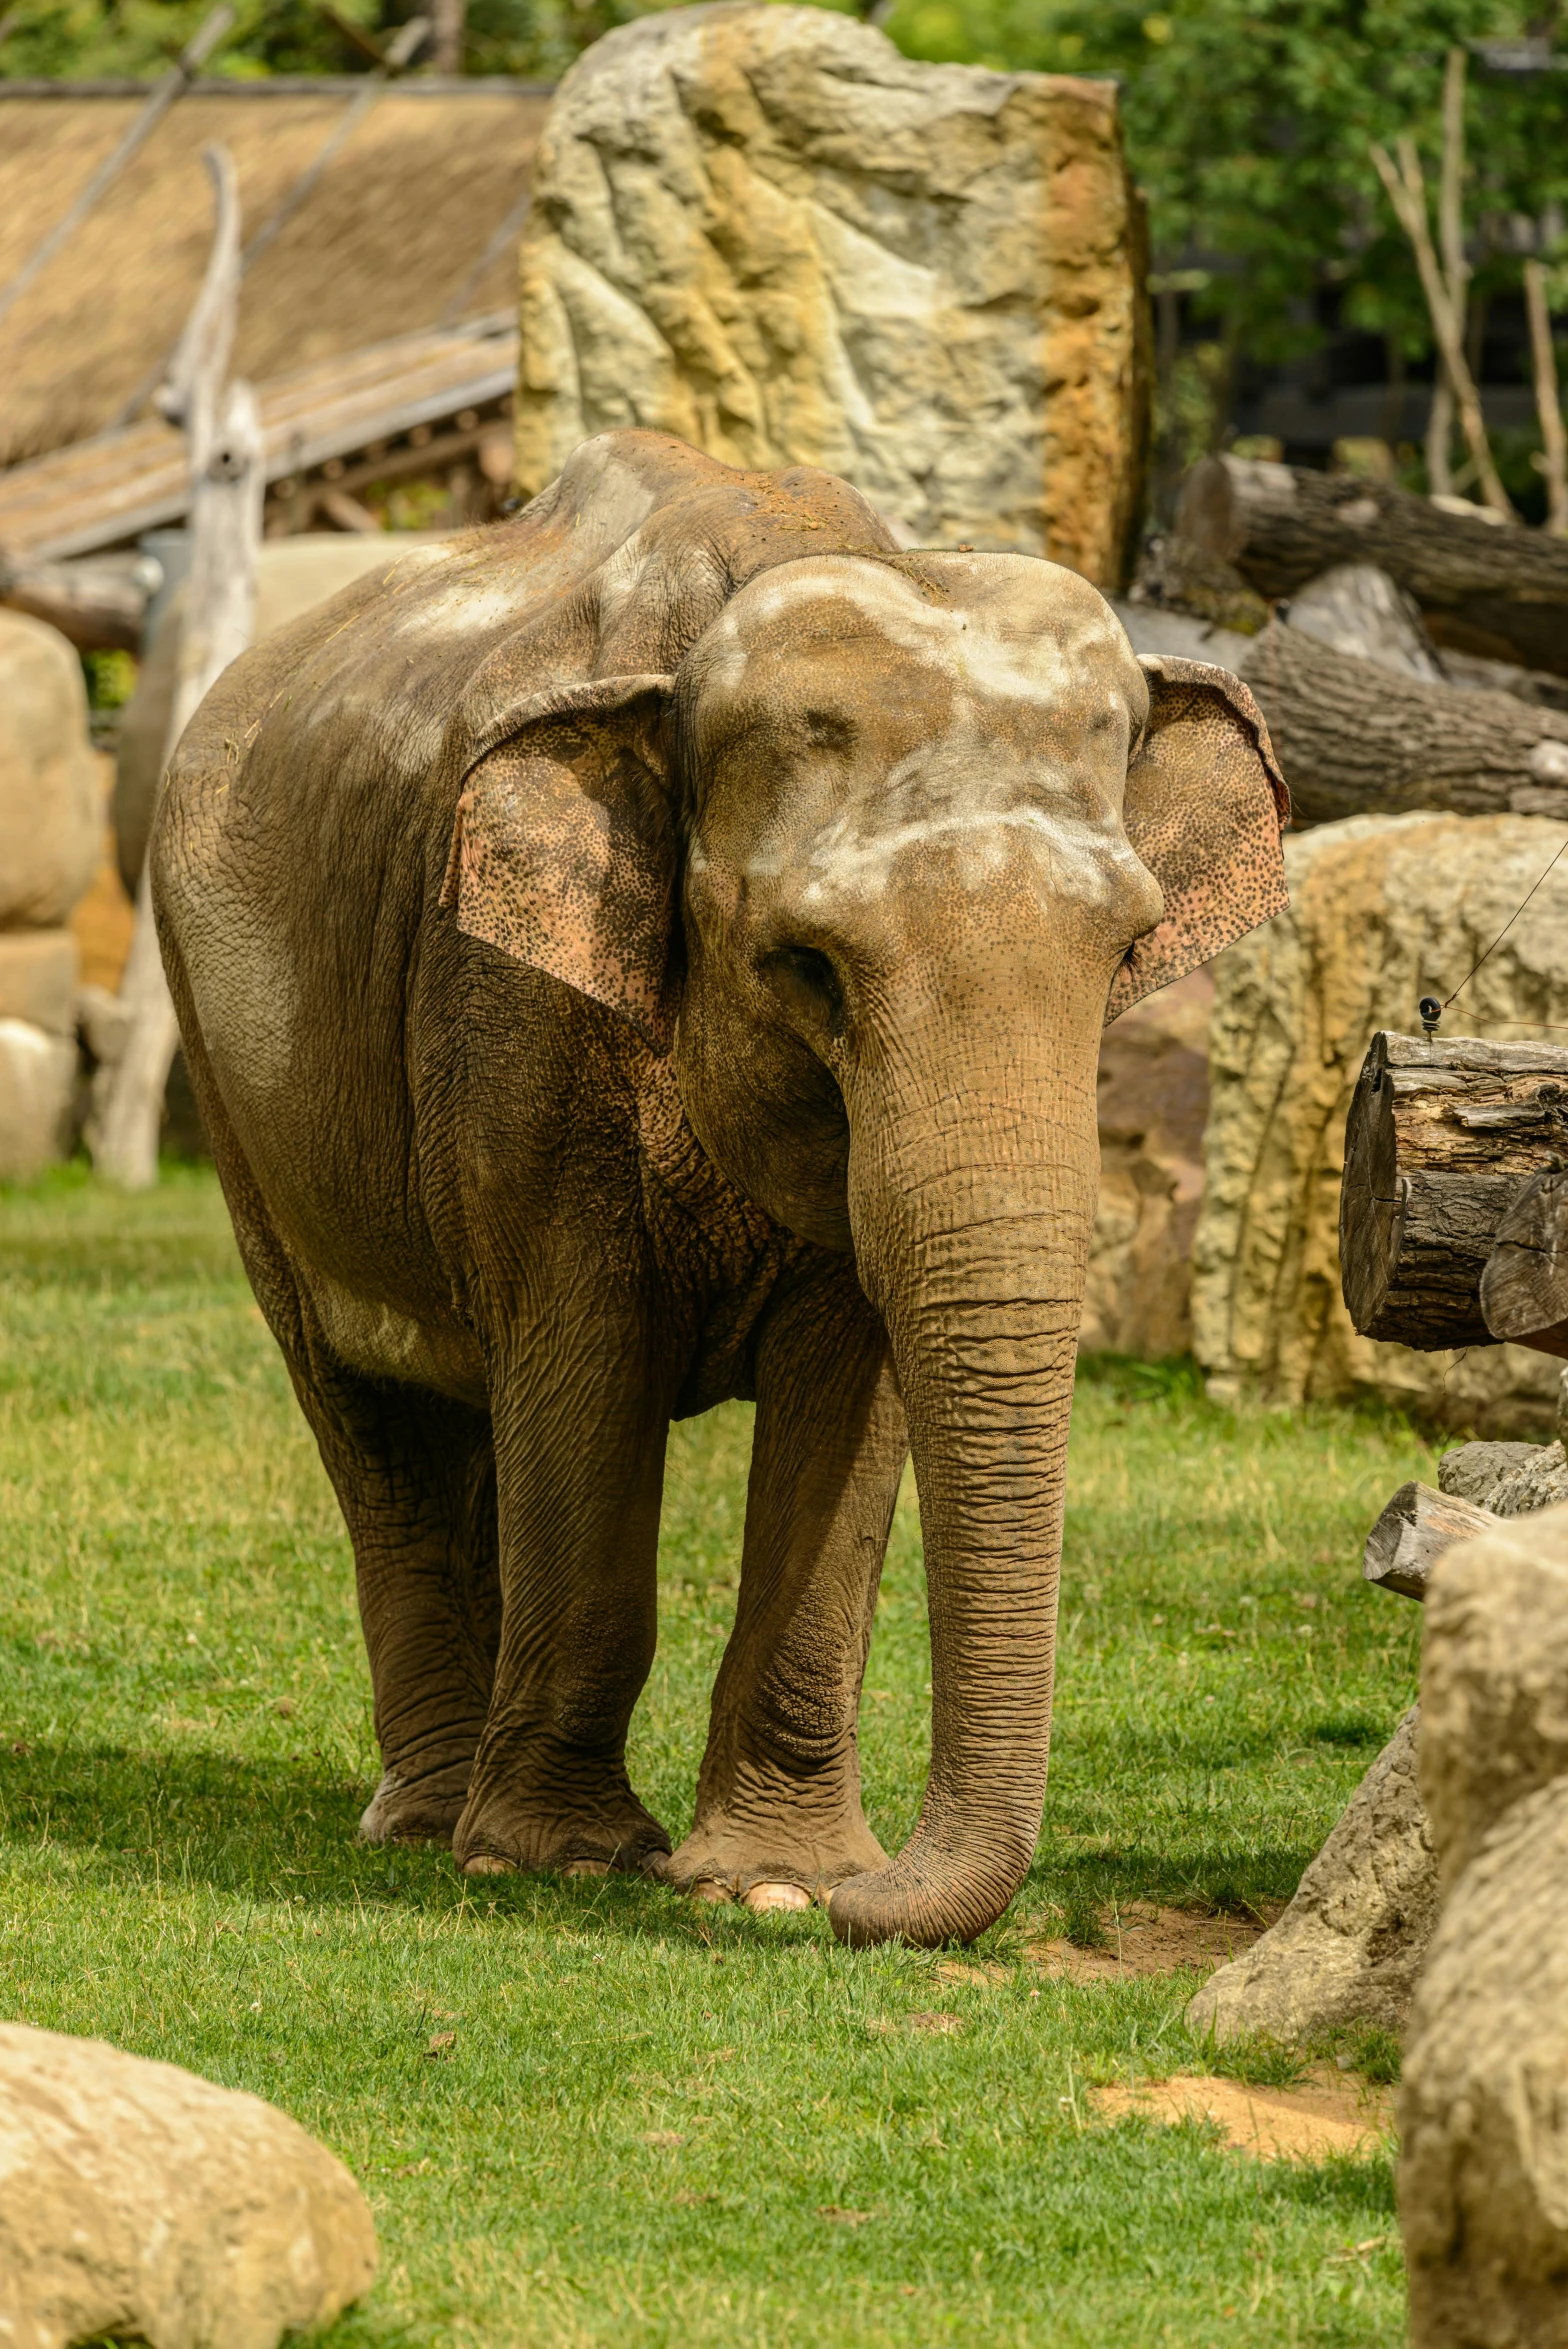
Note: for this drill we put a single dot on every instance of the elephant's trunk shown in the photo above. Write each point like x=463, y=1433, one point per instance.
x=972, y=1210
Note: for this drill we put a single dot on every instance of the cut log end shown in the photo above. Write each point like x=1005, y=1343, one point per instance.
x=1412, y=1533
x=1524, y=1288
x=1441, y=1137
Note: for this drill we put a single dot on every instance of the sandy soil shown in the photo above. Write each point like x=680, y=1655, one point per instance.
x=1325, y=2112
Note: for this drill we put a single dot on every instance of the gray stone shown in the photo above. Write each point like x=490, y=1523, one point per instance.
x=139, y=2200
x=1355, y=608
x=1539, y=1483
x=1473, y=1472
x=1349, y=1946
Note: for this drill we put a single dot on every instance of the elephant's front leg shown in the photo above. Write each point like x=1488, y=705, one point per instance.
x=580, y=1419
x=778, y=1799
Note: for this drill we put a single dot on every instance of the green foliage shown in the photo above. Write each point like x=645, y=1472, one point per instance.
x=659, y=2123
x=1249, y=122
x=83, y=39
x=110, y=679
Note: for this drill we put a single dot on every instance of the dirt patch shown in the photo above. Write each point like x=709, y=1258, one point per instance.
x=1143, y=1939
x=1323, y=2113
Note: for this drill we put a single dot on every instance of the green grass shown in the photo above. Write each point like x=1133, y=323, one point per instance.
x=648, y=2106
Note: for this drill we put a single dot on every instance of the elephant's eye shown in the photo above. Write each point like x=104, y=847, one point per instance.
x=806, y=982
x=826, y=730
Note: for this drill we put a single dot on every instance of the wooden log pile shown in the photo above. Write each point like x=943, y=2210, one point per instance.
x=1486, y=586
x=1453, y=1222
x=1355, y=738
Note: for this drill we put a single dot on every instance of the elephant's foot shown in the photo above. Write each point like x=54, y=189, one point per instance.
x=781, y=1858
x=416, y=1807
x=507, y=1828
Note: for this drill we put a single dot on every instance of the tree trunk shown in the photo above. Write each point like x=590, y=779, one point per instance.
x=1524, y=1289
x=1487, y=586
x=228, y=483
x=1413, y=1532
x=1440, y=1140
x=1354, y=738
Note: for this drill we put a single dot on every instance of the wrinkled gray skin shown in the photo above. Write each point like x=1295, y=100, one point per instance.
x=842, y=829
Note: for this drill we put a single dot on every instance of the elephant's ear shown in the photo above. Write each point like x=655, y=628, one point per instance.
x=1206, y=804
x=564, y=848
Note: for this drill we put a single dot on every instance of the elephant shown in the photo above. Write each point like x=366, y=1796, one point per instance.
x=651, y=951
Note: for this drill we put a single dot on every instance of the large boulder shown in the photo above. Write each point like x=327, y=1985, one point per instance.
x=49, y=808
x=1153, y=1100
x=765, y=231
x=140, y=2201
x=1384, y=910
x=1483, y=2104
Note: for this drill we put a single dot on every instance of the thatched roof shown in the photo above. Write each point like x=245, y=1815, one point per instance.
x=105, y=491
x=389, y=239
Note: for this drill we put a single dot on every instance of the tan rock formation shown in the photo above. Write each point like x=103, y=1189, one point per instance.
x=49, y=812
x=138, y=2200
x=38, y=979
x=1483, y=2103
x=1153, y=1100
x=765, y=231
x=1384, y=909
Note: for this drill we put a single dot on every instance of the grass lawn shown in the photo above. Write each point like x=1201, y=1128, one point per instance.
x=654, y=2121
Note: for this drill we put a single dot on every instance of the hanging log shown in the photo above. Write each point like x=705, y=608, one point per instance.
x=1493, y=587
x=1415, y=1529
x=1524, y=1289
x=1441, y=1138
x=1355, y=739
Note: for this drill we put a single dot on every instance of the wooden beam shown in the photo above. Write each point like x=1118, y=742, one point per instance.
x=1441, y=1138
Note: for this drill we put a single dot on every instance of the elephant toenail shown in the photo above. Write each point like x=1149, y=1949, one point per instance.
x=485, y=1863
x=586, y=1868
x=708, y=1890
x=763, y=1897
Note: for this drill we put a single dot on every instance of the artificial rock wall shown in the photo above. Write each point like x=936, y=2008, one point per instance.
x=765, y=231
x=1384, y=910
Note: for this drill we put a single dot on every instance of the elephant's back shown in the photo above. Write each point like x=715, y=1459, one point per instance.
x=296, y=855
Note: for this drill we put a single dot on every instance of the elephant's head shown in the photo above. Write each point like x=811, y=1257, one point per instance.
x=879, y=857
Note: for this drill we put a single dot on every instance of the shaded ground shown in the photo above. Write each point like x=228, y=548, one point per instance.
x=650, y=2122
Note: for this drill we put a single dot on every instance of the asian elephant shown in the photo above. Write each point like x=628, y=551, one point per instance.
x=655, y=950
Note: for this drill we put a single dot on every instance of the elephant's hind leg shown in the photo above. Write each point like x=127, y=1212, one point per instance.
x=778, y=1818
x=415, y=1478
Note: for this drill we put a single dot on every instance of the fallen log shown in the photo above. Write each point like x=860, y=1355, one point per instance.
x=1524, y=1288
x=1488, y=587
x=1356, y=739
x=1441, y=1138
x=1412, y=1533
